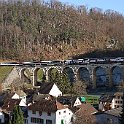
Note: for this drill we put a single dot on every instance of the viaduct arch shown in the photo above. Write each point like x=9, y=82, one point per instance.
x=96, y=75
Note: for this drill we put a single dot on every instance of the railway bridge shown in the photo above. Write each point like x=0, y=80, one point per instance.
x=94, y=74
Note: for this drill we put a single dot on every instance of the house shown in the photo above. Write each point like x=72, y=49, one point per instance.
x=110, y=101
x=9, y=105
x=3, y=96
x=105, y=102
x=109, y=117
x=84, y=113
x=2, y=120
x=50, y=88
x=7, y=96
x=19, y=94
x=49, y=112
x=69, y=100
x=117, y=100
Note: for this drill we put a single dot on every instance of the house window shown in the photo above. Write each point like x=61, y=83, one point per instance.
x=59, y=113
x=33, y=120
x=118, y=97
x=37, y=120
x=48, y=121
x=41, y=121
x=33, y=112
x=64, y=111
x=25, y=121
x=40, y=113
x=48, y=113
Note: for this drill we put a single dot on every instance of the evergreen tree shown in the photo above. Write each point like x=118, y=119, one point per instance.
x=64, y=84
x=54, y=77
x=17, y=117
x=51, y=77
x=122, y=114
x=57, y=77
x=44, y=78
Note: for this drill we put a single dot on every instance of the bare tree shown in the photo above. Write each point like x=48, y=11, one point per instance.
x=79, y=88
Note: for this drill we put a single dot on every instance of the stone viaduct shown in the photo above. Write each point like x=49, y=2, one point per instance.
x=95, y=74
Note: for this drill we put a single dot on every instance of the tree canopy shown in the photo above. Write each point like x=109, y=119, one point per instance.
x=36, y=30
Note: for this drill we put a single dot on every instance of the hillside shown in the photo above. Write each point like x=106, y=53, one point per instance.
x=34, y=30
x=4, y=71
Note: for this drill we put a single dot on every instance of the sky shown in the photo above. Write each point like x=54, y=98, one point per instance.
x=116, y=5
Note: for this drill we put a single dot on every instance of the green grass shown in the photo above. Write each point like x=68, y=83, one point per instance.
x=4, y=71
x=39, y=75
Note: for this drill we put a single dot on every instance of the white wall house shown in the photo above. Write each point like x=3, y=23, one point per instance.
x=50, y=112
x=114, y=101
x=19, y=95
x=55, y=91
x=1, y=117
x=77, y=102
x=22, y=103
x=117, y=100
x=69, y=101
x=50, y=88
x=23, y=99
x=40, y=117
x=63, y=116
x=15, y=96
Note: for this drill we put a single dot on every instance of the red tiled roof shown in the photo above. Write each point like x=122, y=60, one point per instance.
x=87, y=108
x=9, y=104
x=60, y=106
x=46, y=106
x=85, y=114
x=118, y=94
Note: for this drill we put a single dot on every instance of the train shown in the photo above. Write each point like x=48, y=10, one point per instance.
x=82, y=61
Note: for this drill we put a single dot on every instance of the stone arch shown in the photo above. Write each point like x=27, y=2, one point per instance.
x=100, y=76
x=52, y=72
x=25, y=75
x=70, y=74
x=83, y=74
x=39, y=74
x=117, y=75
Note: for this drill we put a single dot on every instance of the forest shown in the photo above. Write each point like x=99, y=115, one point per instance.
x=38, y=30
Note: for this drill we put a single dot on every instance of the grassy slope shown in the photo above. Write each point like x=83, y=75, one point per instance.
x=4, y=71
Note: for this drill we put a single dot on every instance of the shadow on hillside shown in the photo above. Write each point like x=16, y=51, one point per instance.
x=100, y=54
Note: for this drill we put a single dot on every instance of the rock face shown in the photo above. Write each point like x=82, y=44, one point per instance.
x=13, y=75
